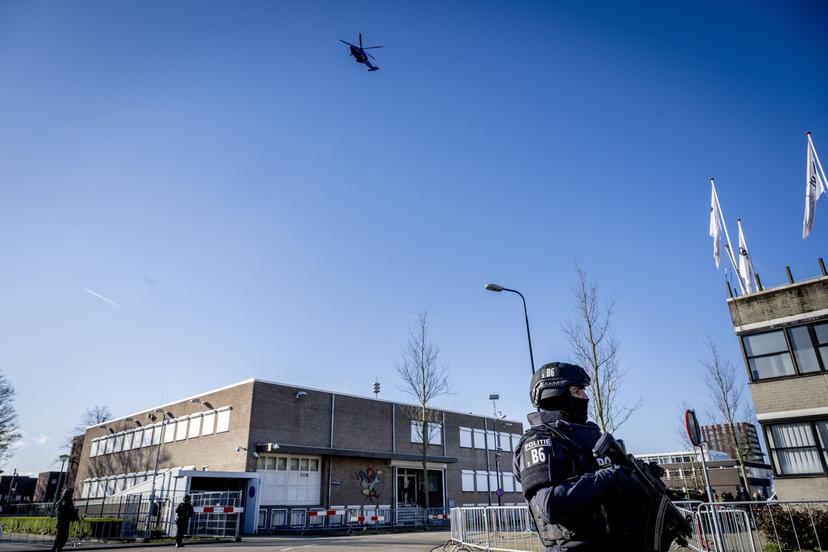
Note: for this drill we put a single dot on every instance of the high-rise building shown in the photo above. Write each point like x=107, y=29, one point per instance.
x=718, y=437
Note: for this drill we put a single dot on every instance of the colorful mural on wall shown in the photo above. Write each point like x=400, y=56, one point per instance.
x=369, y=482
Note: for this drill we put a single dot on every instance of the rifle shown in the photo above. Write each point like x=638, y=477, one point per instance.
x=663, y=521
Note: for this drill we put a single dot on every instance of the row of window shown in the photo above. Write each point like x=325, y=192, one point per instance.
x=668, y=459
x=100, y=487
x=799, y=448
x=289, y=479
x=483, y=481
x=482, y=439
x=787, y=352
x=186, y=427
x=435, y=433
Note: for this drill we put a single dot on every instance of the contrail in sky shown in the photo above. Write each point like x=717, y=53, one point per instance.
x=89, y=291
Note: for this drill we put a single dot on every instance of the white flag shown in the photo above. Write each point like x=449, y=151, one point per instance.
x=715, y=225
x=745, y=264
x=814, y=187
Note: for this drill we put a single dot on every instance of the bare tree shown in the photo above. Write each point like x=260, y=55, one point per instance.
x=98, y=414
x=9, y=430
x=596, y=348
x=726, y=402
x=423, y=380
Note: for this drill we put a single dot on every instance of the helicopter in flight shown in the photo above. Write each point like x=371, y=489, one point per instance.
x=360, y=55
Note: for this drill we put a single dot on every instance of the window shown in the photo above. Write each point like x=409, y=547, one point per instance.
x=208, y=423
x=435, y=433
x=768, y=355
x=147, y=440
x=466, y=437
x=481, y=480
x=119, y=443
x=479, y=439
x=467, y=480
x=181, y=429
x=505, y=441
x=195, y=426
x=508, y=482
x=156, y=434
x=804, y=349
x=794, y=448
x=169, y=432
x=262, y=518
x=490, y=439
x=223, y=421
x=93, y=449
x=515, y=441
x=110, y=441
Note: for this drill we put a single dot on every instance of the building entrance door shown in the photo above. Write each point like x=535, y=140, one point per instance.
x=410, y=492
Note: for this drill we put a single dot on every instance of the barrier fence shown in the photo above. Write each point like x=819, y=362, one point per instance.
x=132, y=517
x=790, y=526
x=348, y=518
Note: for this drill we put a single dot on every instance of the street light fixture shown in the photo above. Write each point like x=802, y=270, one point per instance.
x=497, y=416
x=203, y=403
x=58, y=490
x=498, y=288
x=166, y=417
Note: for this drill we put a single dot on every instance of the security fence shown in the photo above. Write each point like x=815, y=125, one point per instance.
x=348, y=518
x=131, y=517
x=790, y=526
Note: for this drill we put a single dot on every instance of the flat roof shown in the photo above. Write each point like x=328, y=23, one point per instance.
x=258, y=380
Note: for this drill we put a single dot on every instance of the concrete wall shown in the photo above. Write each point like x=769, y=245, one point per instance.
x=217, y=451
x=791, y=300
x=806, y=391
x=803, y=488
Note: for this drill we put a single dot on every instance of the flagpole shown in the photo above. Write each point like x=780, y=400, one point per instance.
x=729, y=247
x=816, y=156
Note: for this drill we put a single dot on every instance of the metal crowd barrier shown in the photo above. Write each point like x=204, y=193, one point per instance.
x=790, y=526
x=133, y=517
x=348, y=518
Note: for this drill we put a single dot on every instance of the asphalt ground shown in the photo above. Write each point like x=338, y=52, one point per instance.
x=394, y=542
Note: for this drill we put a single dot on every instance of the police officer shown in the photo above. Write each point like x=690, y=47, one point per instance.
x=576, y=501
x=183, y=513
x=65, y=513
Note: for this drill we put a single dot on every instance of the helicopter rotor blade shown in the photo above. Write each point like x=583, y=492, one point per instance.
x=346, y=42
x=360, y=40
x=370, y=56
x=371, y=47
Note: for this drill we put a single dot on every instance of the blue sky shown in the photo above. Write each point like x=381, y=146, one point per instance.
x=263, y=206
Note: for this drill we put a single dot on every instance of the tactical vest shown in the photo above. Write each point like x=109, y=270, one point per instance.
x=550, y=454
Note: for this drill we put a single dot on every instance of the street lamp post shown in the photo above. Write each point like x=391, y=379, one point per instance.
x=12, y=486
x=165, y=416
x=498, y=289
x=63, y=458
x=498, y=449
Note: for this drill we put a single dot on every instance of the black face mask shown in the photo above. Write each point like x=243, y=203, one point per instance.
x=577, y=409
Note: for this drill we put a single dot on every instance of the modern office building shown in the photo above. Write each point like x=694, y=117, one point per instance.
x=289, y=447
x=17, y=488
x=718, y=437
x=783, y=332
x=683, y=472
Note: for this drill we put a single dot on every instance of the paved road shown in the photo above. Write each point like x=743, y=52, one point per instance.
x=394, y=542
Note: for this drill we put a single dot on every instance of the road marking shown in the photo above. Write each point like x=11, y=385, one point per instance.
x=286, y=549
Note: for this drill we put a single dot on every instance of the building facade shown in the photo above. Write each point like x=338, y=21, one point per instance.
x=683, y=472
x=783, y=333
x=287, y=447
x=48, y=485
x=717, y=437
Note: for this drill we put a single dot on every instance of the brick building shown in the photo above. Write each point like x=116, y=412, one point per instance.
x=717, y=437
x=48, y=483
x=286, y=446
x=783, y=333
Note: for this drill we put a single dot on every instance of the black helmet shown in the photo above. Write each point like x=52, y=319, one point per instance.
x=553, y=380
